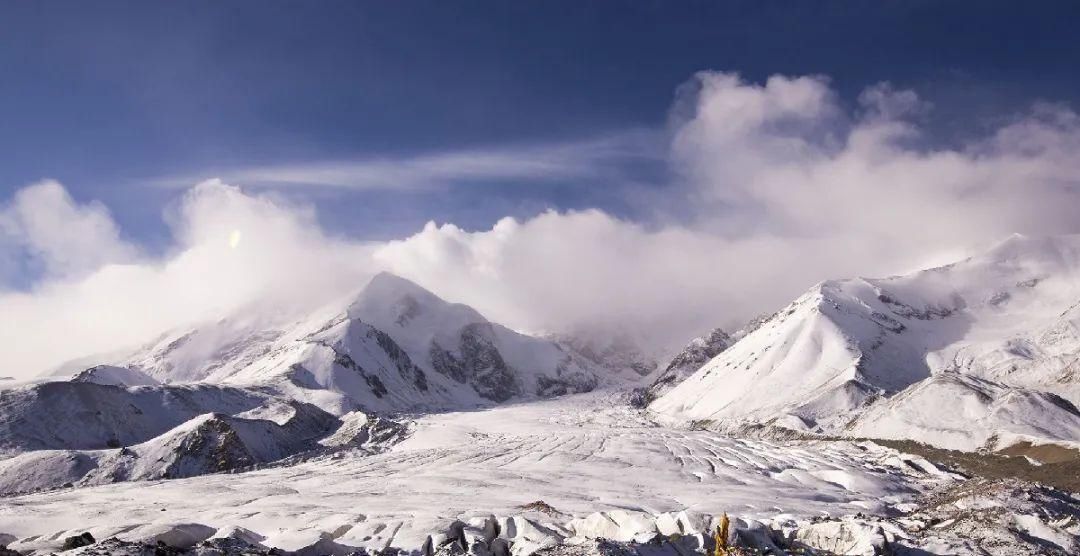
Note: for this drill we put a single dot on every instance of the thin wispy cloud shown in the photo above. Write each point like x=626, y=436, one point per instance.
x=597, y=158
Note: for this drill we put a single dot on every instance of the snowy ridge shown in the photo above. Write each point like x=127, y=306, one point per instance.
x=109, y=375
x=1008, y=316
x=209, y=443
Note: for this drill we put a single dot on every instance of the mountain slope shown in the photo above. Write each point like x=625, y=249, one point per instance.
x=1008, y=316
x=979, y=412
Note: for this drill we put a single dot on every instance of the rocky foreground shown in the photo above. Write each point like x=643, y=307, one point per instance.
x=976, y=516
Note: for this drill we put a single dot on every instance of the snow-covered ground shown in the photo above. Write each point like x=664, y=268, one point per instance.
x=578, y=454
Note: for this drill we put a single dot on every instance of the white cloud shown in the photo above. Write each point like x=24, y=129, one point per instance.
x=43, y=223
x=282, y=264
x=784, y=187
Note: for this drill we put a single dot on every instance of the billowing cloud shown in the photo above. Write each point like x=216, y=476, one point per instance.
x=44, y=227
x=779, y=185
x=784, y=159
x=256, y=256
x=783, y=188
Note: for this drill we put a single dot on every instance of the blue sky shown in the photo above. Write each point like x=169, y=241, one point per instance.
x=114, y=98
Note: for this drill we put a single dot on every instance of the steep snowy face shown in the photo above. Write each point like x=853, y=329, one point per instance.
x=1009, y=316
x=801, y=363
x=456, y=342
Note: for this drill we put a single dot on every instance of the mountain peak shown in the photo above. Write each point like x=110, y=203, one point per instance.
x=388, y=284
x=390, y=299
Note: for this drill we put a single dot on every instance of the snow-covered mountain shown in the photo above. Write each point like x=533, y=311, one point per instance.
x=457, y=342
x=897, y=357
x=394, y=347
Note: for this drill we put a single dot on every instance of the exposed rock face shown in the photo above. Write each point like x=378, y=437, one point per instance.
x=378, y=389
x=214, y=447
x=404, y=363
x=223, y=443
x=698, y=352
x=76, y=541
x=367, y=432
x=567, y=381
x=478, y=363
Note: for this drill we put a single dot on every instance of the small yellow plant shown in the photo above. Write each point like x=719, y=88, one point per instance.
x=721, y=538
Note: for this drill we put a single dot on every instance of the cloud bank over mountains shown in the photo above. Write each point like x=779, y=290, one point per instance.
x=778, y=185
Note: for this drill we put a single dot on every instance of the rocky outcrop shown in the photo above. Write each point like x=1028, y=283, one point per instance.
x=477, y=363
x=698, y=352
